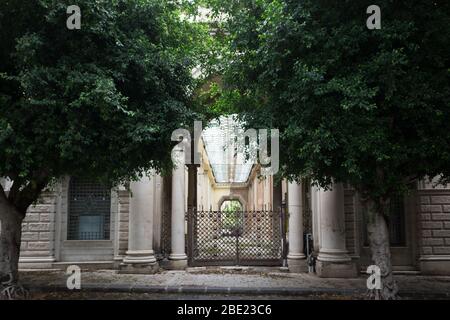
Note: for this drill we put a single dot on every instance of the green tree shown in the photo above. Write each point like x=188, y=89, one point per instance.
x=230, y=215
x=101, y=101
x=366, y=107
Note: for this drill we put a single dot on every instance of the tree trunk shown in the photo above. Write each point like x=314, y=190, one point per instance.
x=378, y=236
x=10, y=238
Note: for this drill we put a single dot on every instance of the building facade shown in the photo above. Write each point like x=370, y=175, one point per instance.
x=223, y=212
x=143, y=226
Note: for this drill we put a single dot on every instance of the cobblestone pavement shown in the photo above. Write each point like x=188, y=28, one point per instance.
x=222, y=281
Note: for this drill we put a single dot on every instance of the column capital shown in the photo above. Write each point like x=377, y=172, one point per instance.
x=178, y=156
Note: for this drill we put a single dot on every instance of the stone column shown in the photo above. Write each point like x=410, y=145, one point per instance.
x=296, y=256
x=333, y=260
x=140, y=257
x=178, y=257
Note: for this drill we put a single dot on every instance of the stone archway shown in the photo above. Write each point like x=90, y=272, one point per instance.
x=233, y=197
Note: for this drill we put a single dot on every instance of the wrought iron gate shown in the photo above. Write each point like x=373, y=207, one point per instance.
x=236, y=237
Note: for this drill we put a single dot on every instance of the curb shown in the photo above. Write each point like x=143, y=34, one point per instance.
x=200, y=290
x=299, y=292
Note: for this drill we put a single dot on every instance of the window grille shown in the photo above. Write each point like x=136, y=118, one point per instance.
x=396, y=223
x=89, y=210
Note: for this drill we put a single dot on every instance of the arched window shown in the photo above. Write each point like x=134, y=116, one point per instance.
x=231, y=217
x=231, y=206
x=89, y=210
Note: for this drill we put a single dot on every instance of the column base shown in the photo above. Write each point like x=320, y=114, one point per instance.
x=139, y=262
x=336, y=269
x=177, y=262
x=138, y=268
x=297, y=265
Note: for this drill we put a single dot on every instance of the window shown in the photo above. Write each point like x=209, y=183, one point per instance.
x=396, y=223
x=89, y=210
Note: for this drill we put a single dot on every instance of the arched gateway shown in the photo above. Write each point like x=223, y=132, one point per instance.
x=233, y=220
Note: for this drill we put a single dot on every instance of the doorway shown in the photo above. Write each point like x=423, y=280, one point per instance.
x=402, y=234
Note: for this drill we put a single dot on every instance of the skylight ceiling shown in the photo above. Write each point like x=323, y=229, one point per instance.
x=225, y=157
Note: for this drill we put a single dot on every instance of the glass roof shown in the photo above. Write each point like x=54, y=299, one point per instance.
x=226, y=157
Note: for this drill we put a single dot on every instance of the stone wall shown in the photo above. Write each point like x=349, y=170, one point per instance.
x=41, y=238
x=435, y=223
x=38, y=232
x=434, y=230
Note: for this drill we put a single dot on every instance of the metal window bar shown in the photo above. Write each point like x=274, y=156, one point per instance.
x=396, y=223
x=89, y=201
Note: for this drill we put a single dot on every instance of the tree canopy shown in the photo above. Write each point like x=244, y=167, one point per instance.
x=368, y=107
x=101, y=101
x=365, y=107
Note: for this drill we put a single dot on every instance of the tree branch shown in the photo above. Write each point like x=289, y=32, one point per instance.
x=16, y=184
x=30, y=193
x=3, y=197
